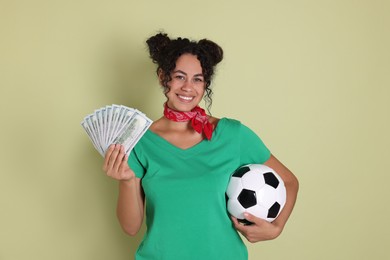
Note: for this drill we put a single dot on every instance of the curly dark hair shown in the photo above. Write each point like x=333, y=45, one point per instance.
x=165, y=51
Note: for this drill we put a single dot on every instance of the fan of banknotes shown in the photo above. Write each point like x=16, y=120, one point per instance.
x=115, y=124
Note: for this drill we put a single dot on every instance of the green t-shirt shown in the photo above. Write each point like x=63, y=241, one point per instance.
x=186, y=214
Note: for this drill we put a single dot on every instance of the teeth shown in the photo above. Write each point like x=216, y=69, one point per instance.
x=186, y=98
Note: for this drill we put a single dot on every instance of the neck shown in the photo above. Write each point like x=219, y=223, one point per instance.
x=196, y=118
x=173, y=125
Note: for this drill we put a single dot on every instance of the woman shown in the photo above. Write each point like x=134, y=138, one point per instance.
x=181, y=166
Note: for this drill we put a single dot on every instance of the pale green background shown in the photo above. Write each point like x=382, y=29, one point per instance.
x=310, y=77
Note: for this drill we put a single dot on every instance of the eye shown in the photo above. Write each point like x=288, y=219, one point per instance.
x=198, y=79
x=179, y=77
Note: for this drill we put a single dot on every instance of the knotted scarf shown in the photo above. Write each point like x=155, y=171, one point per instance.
x=197, y=116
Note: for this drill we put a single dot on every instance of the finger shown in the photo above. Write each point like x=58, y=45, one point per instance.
x=126, y=158
x=119, y=158
x=124, y=169
x=237, y=224
x=107, y=157
x=234, y=220
x=113, y=156
x=257, y=221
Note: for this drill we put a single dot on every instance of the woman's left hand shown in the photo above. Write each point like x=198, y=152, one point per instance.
x=260, y=230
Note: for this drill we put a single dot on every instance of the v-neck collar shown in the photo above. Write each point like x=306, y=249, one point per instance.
x=188, y=152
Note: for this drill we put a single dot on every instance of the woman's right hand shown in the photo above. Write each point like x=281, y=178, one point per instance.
x=115, y=163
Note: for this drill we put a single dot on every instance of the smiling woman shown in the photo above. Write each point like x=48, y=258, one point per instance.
x=165, y=53
x=186, y=89
x=182, y=165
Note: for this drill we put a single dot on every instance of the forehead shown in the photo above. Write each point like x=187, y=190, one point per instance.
x=189, y=63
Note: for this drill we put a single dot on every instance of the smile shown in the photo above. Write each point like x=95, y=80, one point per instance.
x=185, y=98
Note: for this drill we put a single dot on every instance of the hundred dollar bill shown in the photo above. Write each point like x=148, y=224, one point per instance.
x=91, y=135
x=125, y=119
x=115, y=124
x=130, y=135
x=108, y=117
x=115, y=117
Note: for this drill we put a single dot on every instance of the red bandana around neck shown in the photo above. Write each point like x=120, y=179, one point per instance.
x=197, y=116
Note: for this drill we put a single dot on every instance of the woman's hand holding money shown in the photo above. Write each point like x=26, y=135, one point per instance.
x=115, y=163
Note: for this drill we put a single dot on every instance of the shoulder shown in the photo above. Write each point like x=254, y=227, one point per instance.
x=229, y=122
x=227, y=126
x=236, y=126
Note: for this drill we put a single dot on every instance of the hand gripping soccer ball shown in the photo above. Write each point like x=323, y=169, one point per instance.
x=256, y=189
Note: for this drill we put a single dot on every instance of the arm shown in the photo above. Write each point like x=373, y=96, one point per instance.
x=261, y=229
x=130, y=207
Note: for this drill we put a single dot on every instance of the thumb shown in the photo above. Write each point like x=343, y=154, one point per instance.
x=253, y=219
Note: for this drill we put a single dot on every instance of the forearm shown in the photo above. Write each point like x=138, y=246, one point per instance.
x=292, y=185
x=130, y=208
x=291, y=195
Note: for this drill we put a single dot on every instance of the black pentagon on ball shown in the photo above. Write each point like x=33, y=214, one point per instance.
x=241, y=171
x=273, y=210
x=271, y=179
x=247, y=198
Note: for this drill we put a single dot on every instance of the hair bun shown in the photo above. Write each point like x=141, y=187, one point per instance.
x=157, y=44
x=214, y=50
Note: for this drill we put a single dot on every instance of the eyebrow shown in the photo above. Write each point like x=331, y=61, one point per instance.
x=182, y=72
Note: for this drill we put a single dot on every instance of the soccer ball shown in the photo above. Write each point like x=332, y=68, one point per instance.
x=256, y=189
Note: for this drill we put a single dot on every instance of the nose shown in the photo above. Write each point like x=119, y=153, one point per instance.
x=187, y=86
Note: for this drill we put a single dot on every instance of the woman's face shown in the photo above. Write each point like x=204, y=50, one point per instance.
x=187, y=87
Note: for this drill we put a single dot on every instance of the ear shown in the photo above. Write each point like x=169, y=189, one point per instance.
x=161, y=76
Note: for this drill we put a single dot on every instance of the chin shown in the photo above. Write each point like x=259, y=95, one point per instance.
x=183, y=106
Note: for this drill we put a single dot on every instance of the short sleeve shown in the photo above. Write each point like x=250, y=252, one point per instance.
x=135, y=164
x=252, y=148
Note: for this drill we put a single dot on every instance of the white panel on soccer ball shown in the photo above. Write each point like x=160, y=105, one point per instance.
x=252, y=180
x=235, y=209
x=266, y=196
x=258, y=211
x=234, y=188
